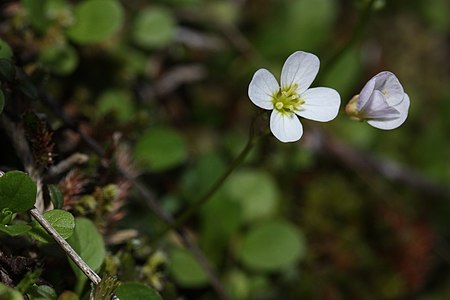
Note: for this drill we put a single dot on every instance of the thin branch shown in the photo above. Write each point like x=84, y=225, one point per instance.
x=65, y=246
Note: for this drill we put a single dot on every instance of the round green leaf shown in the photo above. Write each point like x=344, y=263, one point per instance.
x=118, y=102
x=61, y=60
x=153, y=27
x=186, y=270
x=272, y=246
x=88, y=243
x=161, y=149
x=136, y=291
x=255, y=191
x=62, y=221
x=17, y=191
x=96, y=20
x=5, y=50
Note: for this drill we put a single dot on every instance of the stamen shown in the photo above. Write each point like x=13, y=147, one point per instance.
x=287, y=100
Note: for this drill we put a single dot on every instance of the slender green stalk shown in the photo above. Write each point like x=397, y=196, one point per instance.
x=252, y=140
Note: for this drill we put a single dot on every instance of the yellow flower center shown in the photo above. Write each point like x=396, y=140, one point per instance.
x=286, y=100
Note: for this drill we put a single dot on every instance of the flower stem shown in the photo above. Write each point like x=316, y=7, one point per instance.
x=252, y=140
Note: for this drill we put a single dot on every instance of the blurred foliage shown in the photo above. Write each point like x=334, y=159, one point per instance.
x=161, y=86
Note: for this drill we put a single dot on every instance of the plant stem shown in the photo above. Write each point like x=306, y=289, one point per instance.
x=252, y=139
x=65, y=246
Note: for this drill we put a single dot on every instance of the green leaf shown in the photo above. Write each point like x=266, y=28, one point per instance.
x=15, y=229
x=41, y=292
x=5, y=50
x=88, y=243
x=2, y=101
x=153, y=27
x=62, y=221
x=17, y=191
x=7, y=69
x=186, y=270
x=272, y=246
x=118, y=102
x=96, y=20
x=56, y=196
x=6, y=216
x=161, y=149
x=61, y=60
x=255, y=191
x=136, y=291
x=7, y=293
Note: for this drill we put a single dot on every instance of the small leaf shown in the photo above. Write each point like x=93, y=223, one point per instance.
x=96, y=20
x=15, y=229
x=136, y=291
x=17, y=191
x=153, y=27
x=62, y=221
x=88, y=243
x=186, y=270
x=6, y=216
x=41, y=292
x=272, y=246
x=118, y=102
x=256, y=192
x=161, y=149
x=56, y=196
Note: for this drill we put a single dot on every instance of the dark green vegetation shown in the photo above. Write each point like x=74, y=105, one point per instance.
x=125, y=113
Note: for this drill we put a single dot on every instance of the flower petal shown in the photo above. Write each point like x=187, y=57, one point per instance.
x=393, y=123
x=388, y=84
x=365, y=94
x=378, y=108
x=321, y=104
x=286, y=128
x=261, y=89
x=300, y=68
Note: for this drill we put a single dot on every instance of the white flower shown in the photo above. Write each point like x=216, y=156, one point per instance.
x=293, y=97
x=382, y=102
